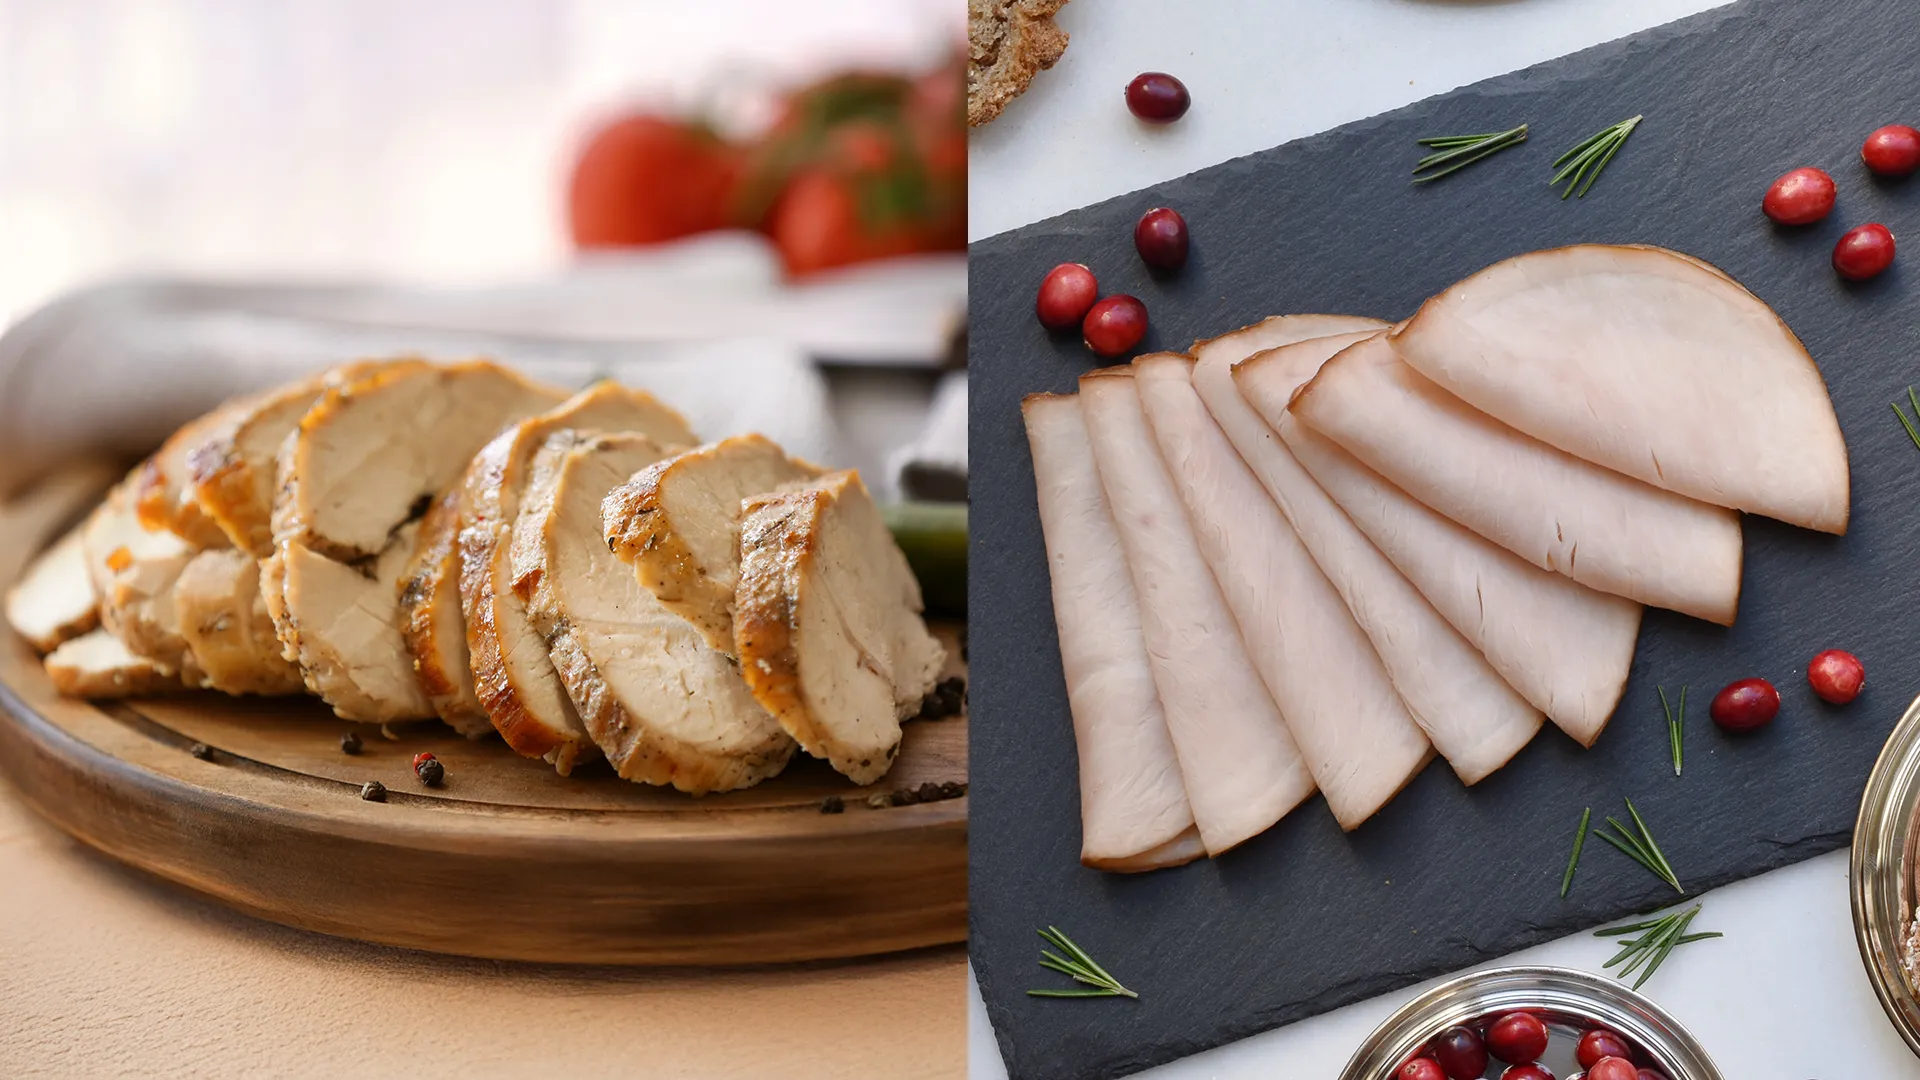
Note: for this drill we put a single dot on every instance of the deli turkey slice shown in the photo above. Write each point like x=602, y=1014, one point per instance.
x=1557, y=511
x=1242, y=767
x=1564, y=647
x=1474, y=718
x=1647, y=362
x=1133, y=805
x=827, y=623
x=664, y=706
x=1275, y=331
x=458, y=612
x=678, y=523
x=355, y=477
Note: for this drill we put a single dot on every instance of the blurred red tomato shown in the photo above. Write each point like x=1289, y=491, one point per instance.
x=827, y=219
x=644, y=179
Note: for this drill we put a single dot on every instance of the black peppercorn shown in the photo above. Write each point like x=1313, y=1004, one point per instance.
x=952, y=790
x=431, y=772
x=201, y=750
x=373, y=791
x=905, y=797
x=833, y=804
x=350, y=743
x=930, y=792
x=947, y=699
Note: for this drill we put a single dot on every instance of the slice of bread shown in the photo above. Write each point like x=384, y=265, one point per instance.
x=1008, y=43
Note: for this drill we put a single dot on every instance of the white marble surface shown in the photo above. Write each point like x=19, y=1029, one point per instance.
x=1783, y=996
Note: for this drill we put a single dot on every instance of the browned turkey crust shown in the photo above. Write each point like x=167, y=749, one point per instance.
x=664, y=706
x=163, y=489
x=133, y=572
x=1008, y=43
x=503, y=679
x=678, y=523
x=98, y=665
x=53, y=601
x=827, y=624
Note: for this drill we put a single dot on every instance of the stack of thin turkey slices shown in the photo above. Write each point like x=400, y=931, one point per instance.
x=1441, y=531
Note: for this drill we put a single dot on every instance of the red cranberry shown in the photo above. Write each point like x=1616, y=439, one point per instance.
x=1517, y=1038
x=1651, y=1074
x=1600, y=1043
x=1420, y=1069
x=1529, y=1071
x=1746, y=705
x=1801, y=197
x=1893, y=150
x=1863, y=252
x=1114, y=326
x=1161, y=238
x=1613, y=1068
x=1157, y=97
x=1460, y=1051
x=1066, y=293
x=1837, y=676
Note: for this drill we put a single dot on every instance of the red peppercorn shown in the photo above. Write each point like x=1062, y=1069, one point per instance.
x=421, y=758
x=1517, y=1038
x=1892, y=151
x=1065, y=294
x=1161, y=238
x=1157, y=97
x=1114, y=326
x=1837, y=676
x=1863, y=252
x=1528, y=1071
x=1613, y=1068
x=1800, y=197
x=1462, y=1053
x=1420, y=1069
x=1600, y=1043
x=1746, y=705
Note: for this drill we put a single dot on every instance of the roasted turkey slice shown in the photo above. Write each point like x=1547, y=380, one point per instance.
x=662, y=704
x=224, y=619
x=678, y=522
x=98, y=665
x=354, y=478
x=54, y=600
x=827, y=623
x=469, y=524
x=133, y=572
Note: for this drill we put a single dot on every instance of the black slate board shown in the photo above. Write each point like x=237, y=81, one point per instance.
x=1304, y=919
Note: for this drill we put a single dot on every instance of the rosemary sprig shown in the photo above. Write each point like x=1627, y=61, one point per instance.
x=1579, y=841
x=1584, y=162
x=1637, y=844
x=1658, y=938
x=1676, y=722
x=1080, y=966
x=1912, y=433
x=1455, y=152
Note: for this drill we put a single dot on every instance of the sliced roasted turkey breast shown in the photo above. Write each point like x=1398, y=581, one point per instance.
x=663, y=705
x=231, y=465
x=224, y=619
x=1133, y=804
x=98, y=665
x=827, y=623
x=1650, y=363
x=678, y=523
x=354, y=478
x=1349, y=730
x=497, y=675
x=1474, y=718
x=1275, y=331
x=1559, y=512
x=133, y=572
x=1563, y=646
x=54, y=600
x=164, y=496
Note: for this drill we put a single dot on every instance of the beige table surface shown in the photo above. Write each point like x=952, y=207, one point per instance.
x=106, y=972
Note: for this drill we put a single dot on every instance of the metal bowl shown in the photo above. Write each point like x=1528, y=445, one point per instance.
x=1558, y=995
x=1882, y=874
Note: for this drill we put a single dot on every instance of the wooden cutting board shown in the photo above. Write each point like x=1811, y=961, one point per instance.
x=507, y=859
x=1305, y=918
